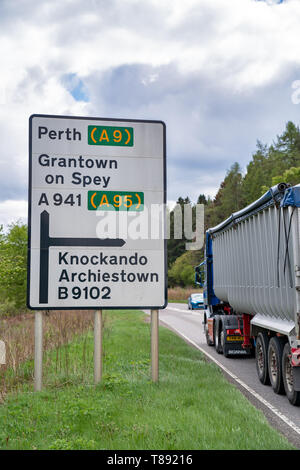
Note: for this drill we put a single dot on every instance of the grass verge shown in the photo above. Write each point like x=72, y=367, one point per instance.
x=192, y=407
x=59, y=328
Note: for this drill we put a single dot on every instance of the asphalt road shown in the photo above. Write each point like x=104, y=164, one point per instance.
x=240, y=371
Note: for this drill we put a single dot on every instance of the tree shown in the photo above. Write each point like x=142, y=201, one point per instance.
x=228, y=199
x=291, y=176
x=288, y=146
x=269, y=164
x=202, y=199
x=182, y=271
x=176, y=246
x=13, y=266
x=258, y=174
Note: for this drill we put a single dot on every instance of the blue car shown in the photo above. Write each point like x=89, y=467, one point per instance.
x=195, y=301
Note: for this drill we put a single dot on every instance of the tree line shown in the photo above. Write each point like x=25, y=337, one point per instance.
x=270, y=165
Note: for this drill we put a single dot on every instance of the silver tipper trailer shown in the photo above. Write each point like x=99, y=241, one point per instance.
x=252, y=287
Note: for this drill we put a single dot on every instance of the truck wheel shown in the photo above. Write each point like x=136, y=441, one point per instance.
x=275, y=351
x=222, y=339
x=261, y=357
x=217, y=334
x=287, y=376
x=209, y=342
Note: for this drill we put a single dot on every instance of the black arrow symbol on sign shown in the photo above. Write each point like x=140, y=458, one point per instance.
x=46, y=241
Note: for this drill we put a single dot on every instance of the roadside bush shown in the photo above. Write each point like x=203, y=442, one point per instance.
x=13, y=268
x=182, y=271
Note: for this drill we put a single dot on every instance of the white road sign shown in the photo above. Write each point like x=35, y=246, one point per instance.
x=97, y=192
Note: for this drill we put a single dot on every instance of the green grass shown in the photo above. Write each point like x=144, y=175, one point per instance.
x=192, y=407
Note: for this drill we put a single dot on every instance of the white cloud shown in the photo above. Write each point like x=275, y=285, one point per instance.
x=12, y=211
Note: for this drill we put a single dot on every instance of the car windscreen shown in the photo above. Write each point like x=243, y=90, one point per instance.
x=197, y=297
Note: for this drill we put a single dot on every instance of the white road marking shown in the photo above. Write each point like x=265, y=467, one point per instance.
x=245, y=386
x=184, y=311
x=177, y=309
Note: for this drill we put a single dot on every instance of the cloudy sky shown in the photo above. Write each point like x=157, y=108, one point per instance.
x=220, y=73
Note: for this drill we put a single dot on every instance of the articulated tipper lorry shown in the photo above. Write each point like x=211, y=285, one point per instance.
x=252, y=287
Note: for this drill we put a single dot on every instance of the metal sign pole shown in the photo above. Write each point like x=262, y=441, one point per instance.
x=97, y=346
x=2, y=353
x=38, y=351
x=154, y=345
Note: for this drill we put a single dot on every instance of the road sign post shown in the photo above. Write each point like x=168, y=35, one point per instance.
x=154, y=345
x=38, y=351
x=2, y=353
x=98, y=336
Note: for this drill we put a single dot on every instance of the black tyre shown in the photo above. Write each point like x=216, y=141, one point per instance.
x=225, y=347
x=261, y=357
x=222, y=339
x=217, y=334
x=275, y=351
x=209, y=342
x=287, y=377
